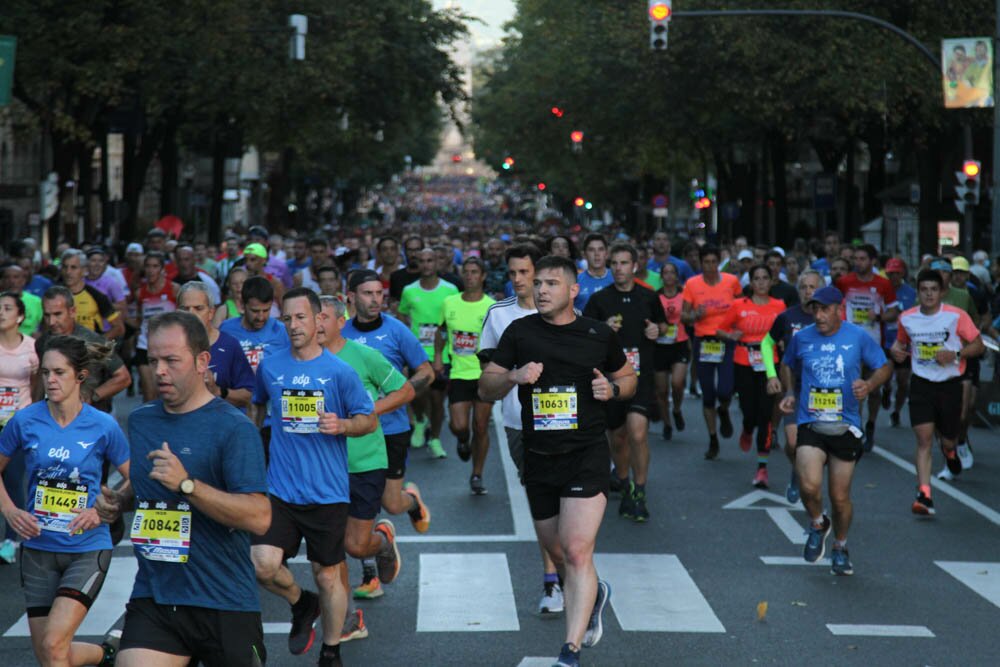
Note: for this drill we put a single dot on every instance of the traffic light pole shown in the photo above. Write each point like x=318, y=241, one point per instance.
x=970, y=208
x=995, y=171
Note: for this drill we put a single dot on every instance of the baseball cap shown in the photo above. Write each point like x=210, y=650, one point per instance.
x=361, y=277
x=256, y=249
x=258, y=230
x=827, y=296
x=778, y=249
x=133, y=247
x=744, y=254
x=156, y=231
x=940, y=264
x=895, y=265
x=959, y=264
x=96, y=250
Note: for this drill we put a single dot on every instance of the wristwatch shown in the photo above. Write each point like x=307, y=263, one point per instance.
x=615, y=390
x=187, y=486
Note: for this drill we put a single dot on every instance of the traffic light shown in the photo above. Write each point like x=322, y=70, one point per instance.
x=660, y=12
x=576, y=136
x=967, y=189
x=557, y=112
x=579, y=202
x=508, y=162
x=541, y=187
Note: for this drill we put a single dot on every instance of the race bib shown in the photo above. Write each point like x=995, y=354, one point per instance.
x=927, y=352
x=426, y=333
x=711, y=351
x=464, y=343
x=861, y=317
x=161, y=530
x=632, y=354
x=826, y=404
x=756, y=358
x=669, y=337
x=54, y=501
x=8, y=403
x=554, y=409
x=300, y=410
x=254, y=355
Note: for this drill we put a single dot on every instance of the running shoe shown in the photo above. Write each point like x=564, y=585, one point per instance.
x=552, y=599
x=816, y=540
x=388, y=559
x=354, y=627
x=595, y=627
x=626, y=509
x=953, y=463
x=567, y=657
x=464, y=450
x=303, y=632
x=476, y=486
x=725, y=423
x=792, y=490
x=421, y=516
x=419, y=437
x=437, y=451
x=679, y=420
x=760, y=478
x=964, y=450
x=869, y=436
x=840, y=562
x=330, y=660
x=8, y=552
x=640, y=514
x=369, y=589
x=894, y=419
x=923, y=505
x=713, y=448
x=112, y=641
x=668, y=432
x=945, y=474
x=746, y=440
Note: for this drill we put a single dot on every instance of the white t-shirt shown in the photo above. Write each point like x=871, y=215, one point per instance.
x=498, y=318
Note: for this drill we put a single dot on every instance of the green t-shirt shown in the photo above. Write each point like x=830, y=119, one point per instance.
x=961, y=299
x=32, y=314
x=654, y=280
x=464, y=322
x=425, y=308
x=379, y=377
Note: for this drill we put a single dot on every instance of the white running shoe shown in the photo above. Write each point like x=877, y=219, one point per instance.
x=552, y=600
x=965, y=455
x=945, y=474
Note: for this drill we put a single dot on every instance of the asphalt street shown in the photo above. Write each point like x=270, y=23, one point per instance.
x=715, y=577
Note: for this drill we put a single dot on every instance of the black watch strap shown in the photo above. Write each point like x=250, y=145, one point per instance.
x=615, y=390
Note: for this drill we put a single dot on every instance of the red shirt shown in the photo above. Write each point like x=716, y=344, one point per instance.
x=672, y=306
x=754, y=320
x=866, y=301
x=715, y=298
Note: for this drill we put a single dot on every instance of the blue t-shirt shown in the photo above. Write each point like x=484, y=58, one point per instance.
x=589, y=285
x=821, y=265
x=907, y=297
x=37, y=285
x=306, y=466
x=683, y=268
x=397, y=344
x=269, y=339
x=789, y=323
x=220, y=447
x=829, y=365
x=230, y=365
x=74, y=454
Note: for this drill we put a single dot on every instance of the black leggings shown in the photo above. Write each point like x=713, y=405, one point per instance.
x=755, y=403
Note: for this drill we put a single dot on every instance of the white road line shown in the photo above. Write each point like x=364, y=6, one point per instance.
x=524, y=527
x=749, y=501
x=468, y=592
x=653, y=592
x=784, y=520
x=277, y=628
x=791, y=560
x=879, y=630
x=983, y=578
x=536, y=662
x=987, y=513
x=107, y=609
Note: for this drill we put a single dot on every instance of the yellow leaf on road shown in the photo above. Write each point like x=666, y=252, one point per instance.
x=761, y=610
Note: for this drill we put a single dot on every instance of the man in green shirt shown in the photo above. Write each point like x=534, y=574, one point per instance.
x=367, y=459
x=422, y=308
x=12, y=279
x=459, y=337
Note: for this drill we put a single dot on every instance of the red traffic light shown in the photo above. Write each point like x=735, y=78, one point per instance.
x=660, y=11
x=579, y=201
x=702, y=202
x=456, y=158
x=541, y=186
x=576, y=136
x=557, y=112
x=971, y=168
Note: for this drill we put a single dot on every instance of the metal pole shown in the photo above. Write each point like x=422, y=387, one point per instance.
x=970, y=208
x=995, y=171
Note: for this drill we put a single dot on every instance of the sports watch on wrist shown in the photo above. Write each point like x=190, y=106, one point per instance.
x=615, y=390
x=187, y=486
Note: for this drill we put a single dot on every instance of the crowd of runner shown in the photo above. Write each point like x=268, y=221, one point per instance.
x=285, y=380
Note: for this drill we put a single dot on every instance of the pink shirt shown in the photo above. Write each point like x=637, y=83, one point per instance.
x=16, y=368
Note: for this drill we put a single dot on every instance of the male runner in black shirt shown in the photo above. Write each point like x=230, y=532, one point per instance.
x=635, y=314
x=565, y=367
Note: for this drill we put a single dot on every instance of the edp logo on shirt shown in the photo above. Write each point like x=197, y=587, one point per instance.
x=300, y=380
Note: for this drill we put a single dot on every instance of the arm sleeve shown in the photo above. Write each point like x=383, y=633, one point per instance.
x=791, y=354
x=505, y=356
x=260, y=393
x=404, y=303
x=240, y=374
x=967, y=330
x=593, y=308
x=902, y=335
x=687, y=296
x=871, y=353
x=104, y=306
x=656, y=313
x=767, y=352
x=356, y=399
x=386, y=377
x=243, y=462
x=413, y=351
x=615, y=358
x=10, y=437
x=117, y=451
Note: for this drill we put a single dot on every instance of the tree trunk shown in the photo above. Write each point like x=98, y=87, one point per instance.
x=85, y=187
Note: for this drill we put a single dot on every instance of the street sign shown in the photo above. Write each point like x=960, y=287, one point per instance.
x=825, y=192
x=49, y=195
x=660, y=212
x=660, y=201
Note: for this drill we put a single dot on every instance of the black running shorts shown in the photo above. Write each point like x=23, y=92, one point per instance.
x=846, y=447
x=322, y=526
x=939, y=403
x=213, y=637
x=397, y=446
x=366, y=494
x=548, y=478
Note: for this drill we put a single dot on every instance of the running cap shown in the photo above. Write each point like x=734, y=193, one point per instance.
x=827, y=296
x=358, y=278
x=744, y=254
x=895, y=265
x=133, y=247
x=96, y=250
x=959, y=264
x=256, y=249
x=940, y=264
